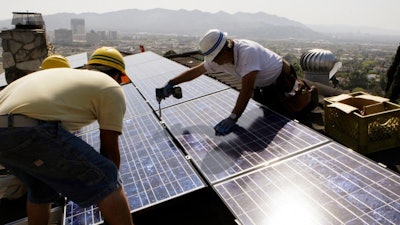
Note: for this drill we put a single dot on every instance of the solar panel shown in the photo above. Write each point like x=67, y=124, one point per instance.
x=261, y=137
x=201, y=86
x=78, y=60
x=269, y=170
x=135, y=105
x=153, y=170
x=328, y=185
x=149, y=71
x=148, y=64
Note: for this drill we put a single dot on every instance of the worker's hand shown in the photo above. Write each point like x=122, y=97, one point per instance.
x=167, y=89
x=225, y=126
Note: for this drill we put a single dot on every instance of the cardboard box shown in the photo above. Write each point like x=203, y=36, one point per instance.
x=363, y=122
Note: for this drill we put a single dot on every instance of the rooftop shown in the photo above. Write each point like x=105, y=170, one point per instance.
x=271, y=169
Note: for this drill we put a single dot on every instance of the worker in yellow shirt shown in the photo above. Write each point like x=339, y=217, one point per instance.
x=39, y=112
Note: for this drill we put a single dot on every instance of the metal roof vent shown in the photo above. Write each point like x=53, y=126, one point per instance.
x=319, y=65
x=27, y=20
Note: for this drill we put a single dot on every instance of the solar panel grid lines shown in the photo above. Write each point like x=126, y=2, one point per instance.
x=144, y=65
x=90, y=215
x=269, y=170
x=149, y=70
x=135, y=103
x=150, y=167
x=355, y=184
x=199, y=87
x=262, y=135
x=316, y=189
x=156, y=154
x=140, y=58
x=153, y=169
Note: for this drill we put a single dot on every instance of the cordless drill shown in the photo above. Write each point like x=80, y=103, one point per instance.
x=176, y=92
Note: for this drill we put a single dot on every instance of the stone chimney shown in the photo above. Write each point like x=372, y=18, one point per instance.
x=25, y=47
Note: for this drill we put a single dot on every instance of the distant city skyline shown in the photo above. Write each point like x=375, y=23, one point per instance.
x=370, y=13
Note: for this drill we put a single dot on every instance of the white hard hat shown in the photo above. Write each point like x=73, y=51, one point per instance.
x=212, y=43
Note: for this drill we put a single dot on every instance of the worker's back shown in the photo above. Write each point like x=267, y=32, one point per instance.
x=71, y=96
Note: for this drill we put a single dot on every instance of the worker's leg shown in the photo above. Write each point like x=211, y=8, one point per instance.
x=115, y=208
x=38, y=214
x=64, y=163
x=85, y=177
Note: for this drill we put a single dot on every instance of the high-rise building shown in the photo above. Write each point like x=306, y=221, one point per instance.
x=78, y=29
x=63, y=37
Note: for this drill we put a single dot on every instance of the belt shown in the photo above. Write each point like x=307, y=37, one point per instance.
x=286, y=68
x=286, y=79
x=17, y=120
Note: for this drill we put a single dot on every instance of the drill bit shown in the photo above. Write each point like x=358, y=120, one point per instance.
x=159, y=97
x=159, y=107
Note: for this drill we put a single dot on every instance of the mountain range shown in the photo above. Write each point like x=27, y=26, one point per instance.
x=194, y=22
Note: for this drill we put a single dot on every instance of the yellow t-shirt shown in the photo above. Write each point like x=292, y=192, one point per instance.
x=74, y=97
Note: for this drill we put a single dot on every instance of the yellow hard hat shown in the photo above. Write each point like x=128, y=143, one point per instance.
x=55, y=61
x=111, y=57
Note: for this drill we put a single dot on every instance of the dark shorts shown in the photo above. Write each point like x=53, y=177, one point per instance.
x=52, y=161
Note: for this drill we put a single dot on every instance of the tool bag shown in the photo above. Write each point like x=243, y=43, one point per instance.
x=10, y=186
x=289, y=94
x=303, y=98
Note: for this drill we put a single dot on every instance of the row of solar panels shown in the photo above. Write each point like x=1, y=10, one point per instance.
x=270, y=170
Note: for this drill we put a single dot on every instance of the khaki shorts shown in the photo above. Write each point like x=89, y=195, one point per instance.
x=10, y=186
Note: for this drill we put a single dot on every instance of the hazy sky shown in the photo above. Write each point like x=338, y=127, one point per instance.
x=374, y=13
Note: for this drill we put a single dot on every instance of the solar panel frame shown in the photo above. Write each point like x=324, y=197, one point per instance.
x=330, y=184
x=153, y=169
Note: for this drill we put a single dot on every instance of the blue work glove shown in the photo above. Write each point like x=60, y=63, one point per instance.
x=167, y=90
x=225, y=126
